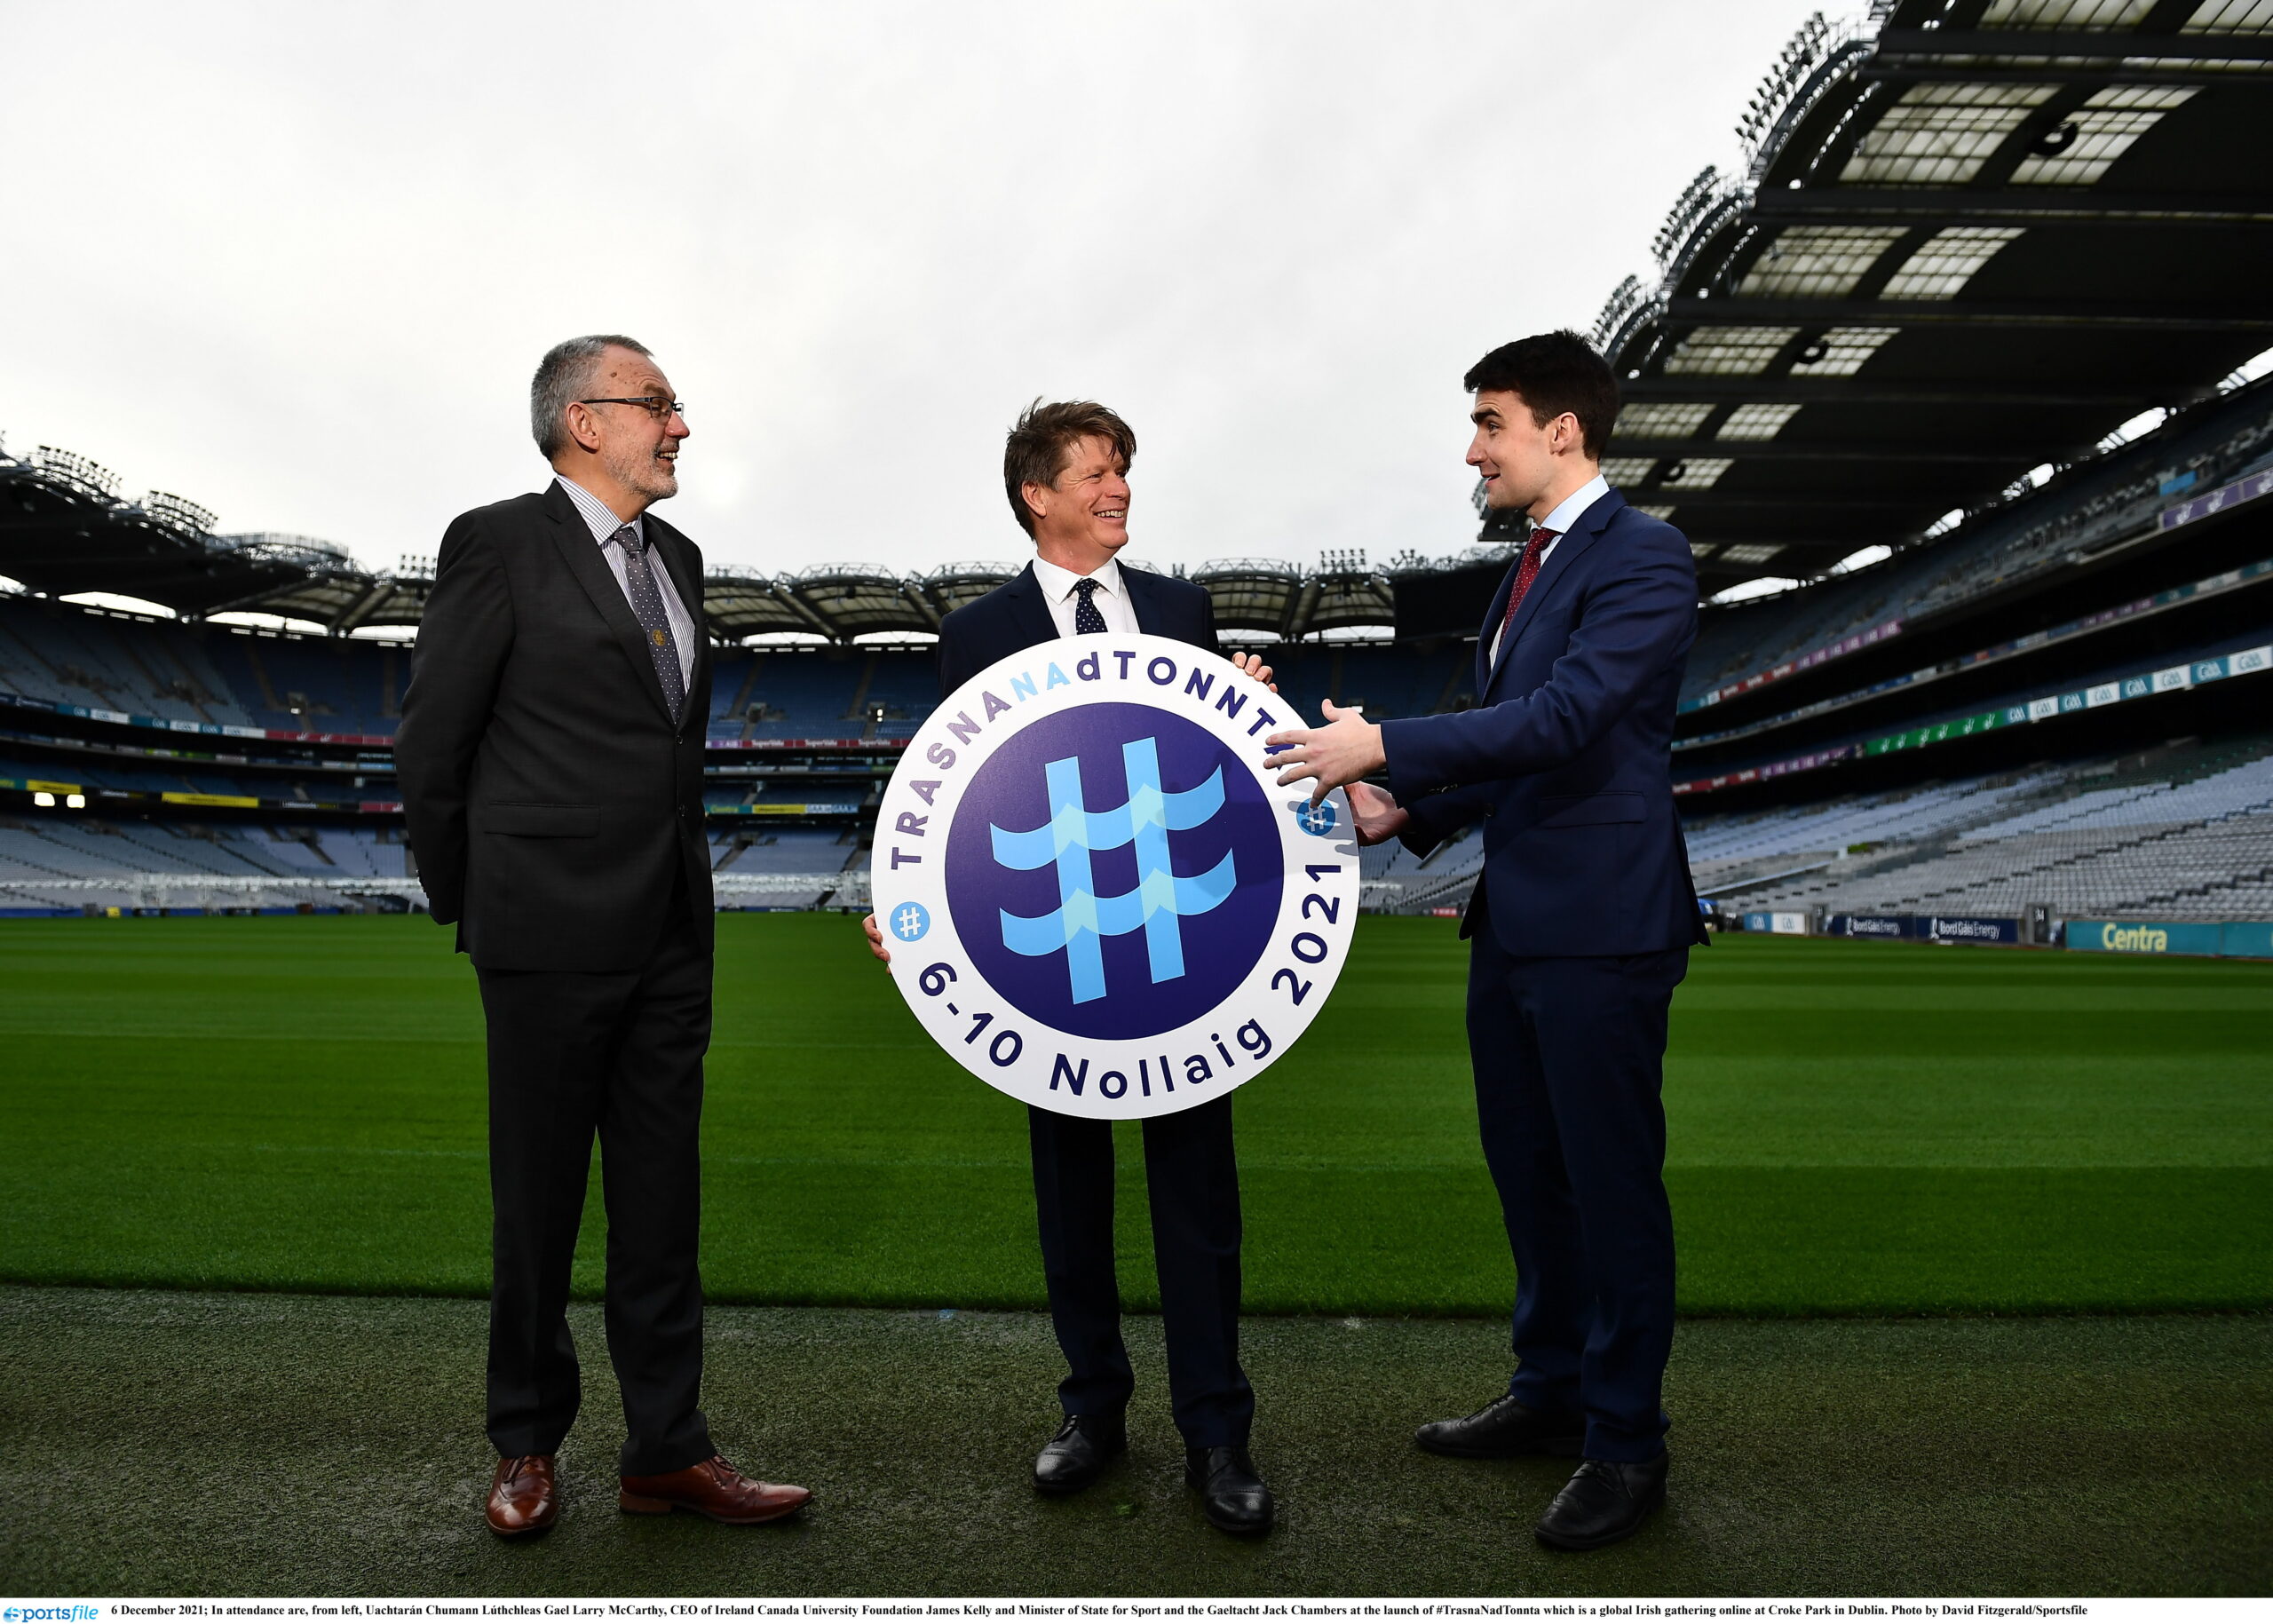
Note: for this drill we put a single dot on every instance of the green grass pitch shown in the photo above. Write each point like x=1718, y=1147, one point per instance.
x=1856, y=1128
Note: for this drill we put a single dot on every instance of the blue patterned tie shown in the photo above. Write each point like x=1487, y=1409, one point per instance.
x=648, y=603
x=1086, y=615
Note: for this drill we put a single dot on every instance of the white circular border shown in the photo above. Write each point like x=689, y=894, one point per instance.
x=1278, y=998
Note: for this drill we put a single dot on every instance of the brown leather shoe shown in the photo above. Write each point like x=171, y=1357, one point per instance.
x=523, y=1498
x=716, y=1490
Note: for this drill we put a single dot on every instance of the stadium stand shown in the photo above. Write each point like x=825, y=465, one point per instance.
x=1956, y=386
x=2187, y=837
x=117, y=662
x=2038, y=535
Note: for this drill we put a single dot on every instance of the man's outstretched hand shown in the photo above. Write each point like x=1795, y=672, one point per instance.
x=875, y=938
x=1377, y=816
x=1344, y=750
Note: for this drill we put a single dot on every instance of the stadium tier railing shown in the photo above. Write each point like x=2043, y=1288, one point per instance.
x=2131, y=494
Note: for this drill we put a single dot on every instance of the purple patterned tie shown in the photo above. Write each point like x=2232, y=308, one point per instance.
x=648, y=603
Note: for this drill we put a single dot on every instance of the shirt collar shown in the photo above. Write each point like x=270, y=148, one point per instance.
x=1567, y=510
x=1057, y=582
x=597, y=515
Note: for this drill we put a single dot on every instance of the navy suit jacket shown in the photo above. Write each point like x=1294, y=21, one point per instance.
x=1015, y=616
x=1566, y=760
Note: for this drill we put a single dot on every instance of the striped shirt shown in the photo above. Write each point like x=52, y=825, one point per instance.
x=603, y=525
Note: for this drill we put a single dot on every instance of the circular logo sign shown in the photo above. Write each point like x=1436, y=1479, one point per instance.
x=1096, y=897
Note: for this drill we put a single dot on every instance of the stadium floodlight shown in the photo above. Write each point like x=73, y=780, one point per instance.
x=180, y=513
x=1794, y=83
x=81, y=474
x=1694, y=218
x=77, y=803
x=42, y=797
x=1629, y=303
x=305, y=553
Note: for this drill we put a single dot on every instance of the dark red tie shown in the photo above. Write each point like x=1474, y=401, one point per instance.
x=1526, y=573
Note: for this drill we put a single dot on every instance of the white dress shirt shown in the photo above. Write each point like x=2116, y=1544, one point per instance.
x=1110, y=598
x=1565, y=514
x=603, y=525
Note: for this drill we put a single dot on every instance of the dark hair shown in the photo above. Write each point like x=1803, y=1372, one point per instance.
x=1554, y=372
x=1043, y=438
x=563, y=376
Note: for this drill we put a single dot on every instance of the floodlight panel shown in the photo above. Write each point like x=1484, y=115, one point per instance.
x=1940, y=133
x=1730, y=350
x=1817, y=262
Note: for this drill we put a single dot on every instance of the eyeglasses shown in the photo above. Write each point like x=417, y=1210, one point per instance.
x=660, y=408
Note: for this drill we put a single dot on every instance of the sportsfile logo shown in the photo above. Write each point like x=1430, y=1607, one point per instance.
x=1097, y=899
x=21, y=1615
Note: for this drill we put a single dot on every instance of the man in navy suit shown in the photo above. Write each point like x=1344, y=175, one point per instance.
x=1581, y=923
x=1065, y=471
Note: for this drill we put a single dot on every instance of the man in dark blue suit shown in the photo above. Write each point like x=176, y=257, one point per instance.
x=1581, y=923
x=1065, y=471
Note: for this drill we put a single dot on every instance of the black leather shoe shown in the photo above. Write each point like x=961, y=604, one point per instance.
x=1502, y=1428
x=1076, y=1457
x=1604, y=1503
x=1231, y=1495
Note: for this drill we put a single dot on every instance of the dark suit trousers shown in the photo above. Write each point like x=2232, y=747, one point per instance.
x=1191, y=1177
x=1569, y=1058
x=574, y=1055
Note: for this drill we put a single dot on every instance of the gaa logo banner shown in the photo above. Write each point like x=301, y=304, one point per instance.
x=1096, y=897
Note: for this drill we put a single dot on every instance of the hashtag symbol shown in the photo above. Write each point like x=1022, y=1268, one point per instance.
x=1160, y=898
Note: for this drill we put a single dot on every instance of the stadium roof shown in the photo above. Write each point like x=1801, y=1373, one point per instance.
x=1973, y=237
x=65, y=530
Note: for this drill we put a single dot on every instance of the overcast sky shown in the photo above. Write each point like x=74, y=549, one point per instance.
x=297, y=262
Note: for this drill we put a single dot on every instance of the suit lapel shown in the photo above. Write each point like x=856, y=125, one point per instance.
x=1568, y=549
x=1142, y=604
x=582, y=556
x=1029, y=608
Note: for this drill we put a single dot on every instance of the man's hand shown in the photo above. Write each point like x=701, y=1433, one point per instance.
x=1252, y=665
x=875, y=938
x=1344, y=750
x=1376, y=814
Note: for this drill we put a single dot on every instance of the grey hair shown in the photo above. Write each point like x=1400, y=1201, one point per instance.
x=563, y=377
